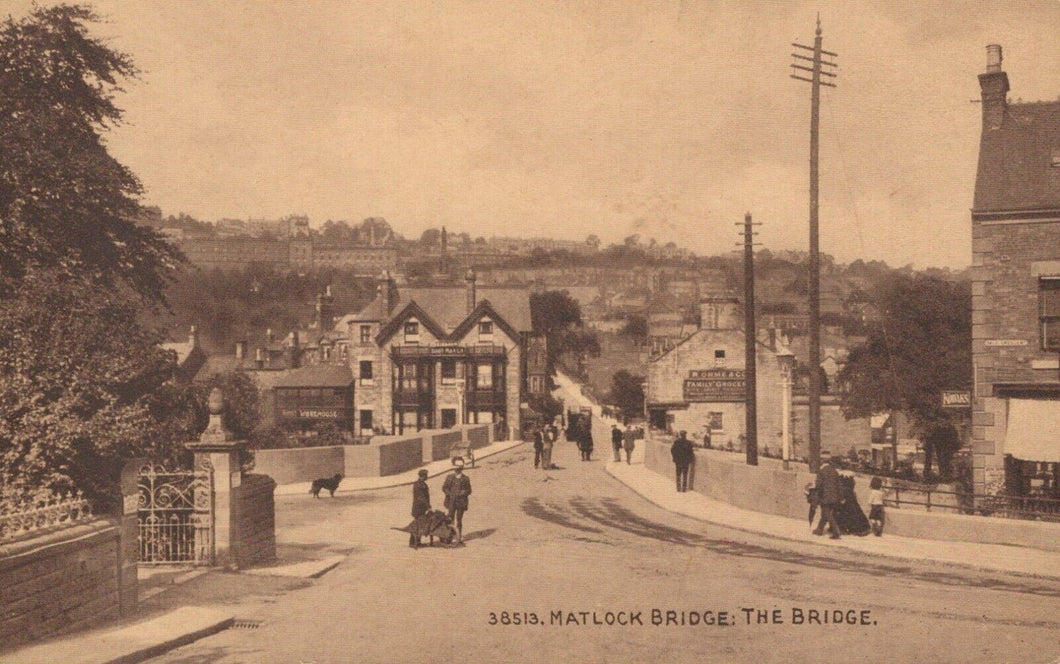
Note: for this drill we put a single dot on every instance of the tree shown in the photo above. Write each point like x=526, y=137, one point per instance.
x=78, y=381
x=636, y=328
x=557, y=316
x=627, y=392
x=432, y=237
x=920, y=346
x=65, y=201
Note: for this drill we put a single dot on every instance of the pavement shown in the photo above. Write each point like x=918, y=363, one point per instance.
x=1015, y=559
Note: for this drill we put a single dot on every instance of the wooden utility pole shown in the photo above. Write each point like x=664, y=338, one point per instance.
x=815, y=81
x=750, y=332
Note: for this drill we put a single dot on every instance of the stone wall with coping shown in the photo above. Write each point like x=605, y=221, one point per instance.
x=253, y=539
x=384, y=455
x=770, y=489
x=60, y=581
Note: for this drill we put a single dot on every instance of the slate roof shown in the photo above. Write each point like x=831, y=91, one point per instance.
x=447, y=305
x=318, y=375
x=1015, y=161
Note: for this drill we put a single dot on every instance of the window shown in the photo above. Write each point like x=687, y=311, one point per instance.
x=485, y=328
x=719, y=358
x=448, y=370
x=1049, y=313
x=448, y=418
x=484, y=378
x=412, y=329
x=366, y=420
x=366, y=334
x=714, y=421
x=366, y=372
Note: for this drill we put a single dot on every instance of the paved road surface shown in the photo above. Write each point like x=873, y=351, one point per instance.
x=573, y=540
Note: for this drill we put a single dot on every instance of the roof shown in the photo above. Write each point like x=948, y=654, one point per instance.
x=447, y=306
x=318, y=375
x=1015, y=161
x=182, y=349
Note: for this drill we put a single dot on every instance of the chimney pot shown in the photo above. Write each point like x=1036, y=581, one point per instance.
x=993, y=58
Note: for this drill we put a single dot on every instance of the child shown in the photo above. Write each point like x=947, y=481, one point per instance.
x=876, y=506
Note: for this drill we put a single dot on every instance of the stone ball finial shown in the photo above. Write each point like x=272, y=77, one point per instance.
x=216, y=401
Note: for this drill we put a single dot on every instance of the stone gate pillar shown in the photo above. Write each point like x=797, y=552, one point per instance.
x=218, y=447
x=129, y=542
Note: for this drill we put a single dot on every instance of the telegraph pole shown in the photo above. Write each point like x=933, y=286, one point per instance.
x=750, y=338
x=815, y=81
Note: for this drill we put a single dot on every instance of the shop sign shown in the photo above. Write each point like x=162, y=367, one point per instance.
x=314, y=413
x=713, y=385
x=1004, y=343
x=956, y=399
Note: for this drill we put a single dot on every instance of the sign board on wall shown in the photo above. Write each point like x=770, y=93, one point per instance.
x=1004, y=343
x=712, y=385
x=956, y=399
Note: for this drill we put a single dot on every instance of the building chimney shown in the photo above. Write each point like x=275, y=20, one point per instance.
x=470, y=279
x=269, y=336
x=193, y=337
x=259, y=359
x=993, y=84
x=386, y=292
x=325, y=310
x=719, y=313
x=292, y=351
x=241, y=350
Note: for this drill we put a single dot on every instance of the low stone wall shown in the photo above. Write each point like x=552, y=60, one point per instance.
x=441, y=444
x=300, y=464
x=770, y=489
x=60, y=581
x=253, y=521
x=384, y=455
x=400, y=455
x=479, y=436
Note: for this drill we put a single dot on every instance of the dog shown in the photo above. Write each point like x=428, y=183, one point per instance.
x=328, y=483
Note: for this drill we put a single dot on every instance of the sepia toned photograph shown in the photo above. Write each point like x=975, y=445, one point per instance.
x=339, y=331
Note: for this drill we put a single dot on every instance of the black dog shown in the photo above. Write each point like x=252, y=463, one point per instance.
x=330, y=484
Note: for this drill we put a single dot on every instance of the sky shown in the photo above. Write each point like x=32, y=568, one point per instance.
x=665, y=119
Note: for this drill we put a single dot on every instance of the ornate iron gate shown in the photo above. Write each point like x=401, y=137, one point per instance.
x=176, y=515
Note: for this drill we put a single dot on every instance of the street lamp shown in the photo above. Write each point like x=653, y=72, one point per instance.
x=786, y=362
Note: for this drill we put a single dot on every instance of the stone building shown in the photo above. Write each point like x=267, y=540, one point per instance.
x=700, y=383
x=435, y=357
x=1016, y=292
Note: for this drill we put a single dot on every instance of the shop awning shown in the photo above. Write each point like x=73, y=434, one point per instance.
x=1033, y=432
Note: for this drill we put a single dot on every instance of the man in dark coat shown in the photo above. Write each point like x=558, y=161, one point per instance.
x=539, y=445
x=829, y=495
x=616, y=441
x=684, y=456
x=585, y=441
x=421, y=504
x=457, y=488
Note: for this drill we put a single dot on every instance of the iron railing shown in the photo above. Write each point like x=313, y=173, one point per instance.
x=28, y=514
x=1004, y=506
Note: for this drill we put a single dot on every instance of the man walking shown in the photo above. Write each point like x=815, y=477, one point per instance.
x=548, y=438
x=829, y=494
x=421, y=504
x=457, y=488
x=628, y=438
x=616, y=441
x=539, y=445
x=684, y=456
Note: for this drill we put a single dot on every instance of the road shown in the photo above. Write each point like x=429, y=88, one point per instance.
x=567, y=547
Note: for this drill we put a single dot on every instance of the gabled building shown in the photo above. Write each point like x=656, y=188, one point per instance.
x=1016, y=293
x=435, y=357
